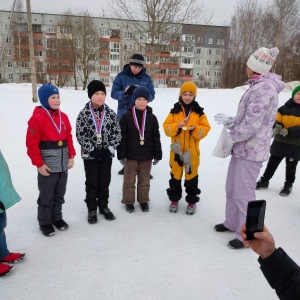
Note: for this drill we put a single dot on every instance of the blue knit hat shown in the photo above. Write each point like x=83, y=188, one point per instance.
x=141, y=91
x=44, y=92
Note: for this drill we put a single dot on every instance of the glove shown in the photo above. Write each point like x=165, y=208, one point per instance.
x=96, y=153
x=130, y=90
x=284, y=132
x=123, y=161
x=155, y=161
x=276, y=129
x=186, y=157
x=229, y=123
x=223, y=119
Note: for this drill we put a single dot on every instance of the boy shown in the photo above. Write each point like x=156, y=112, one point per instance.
x=186, y=124
x=140, y=144
x=50, y=148
x=98, y=132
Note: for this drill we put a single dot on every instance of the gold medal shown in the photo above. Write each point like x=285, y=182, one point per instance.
x=184, y=128
x=142, y=143
x=60, y=143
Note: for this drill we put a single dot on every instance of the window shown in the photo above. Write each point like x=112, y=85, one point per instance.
x=37, y=42
x=25, y=64
x=10, y=64
x=199, y=39
x=218, y=73
x=173, y=83
x=104, y=79
x=216, y=84
x=210, y=41
x=38, y=53
x=9, y=52
x=208, y=62
x=218, y=52
x=206, y=74
x=220, y=41
x=219, y=63
x=51, y=44
x=187, y=49
x=162, y=81
x=104, y=68
x=8, y=40
x=114, y=57
x=11, y=76
x=128, y=35
x=50, y=29
x=114, y=69
x=173, y=71
x=188, y=72
x=65, y=29
x=188, y=37
x=186, y=61
x=209, y=51
x=114, y=47
x=198, y=62
x=198, y=50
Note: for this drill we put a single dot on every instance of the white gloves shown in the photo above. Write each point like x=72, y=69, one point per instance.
x=221, y=118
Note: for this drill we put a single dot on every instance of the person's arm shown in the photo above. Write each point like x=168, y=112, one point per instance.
x=118, y=90
x=282, y=273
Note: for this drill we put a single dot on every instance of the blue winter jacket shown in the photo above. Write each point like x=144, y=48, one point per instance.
x=8, y=195
x=126, y=78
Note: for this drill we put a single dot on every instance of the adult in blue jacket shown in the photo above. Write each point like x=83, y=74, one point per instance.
x=133, y=75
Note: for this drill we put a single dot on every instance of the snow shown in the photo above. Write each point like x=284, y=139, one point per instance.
x=139, y=256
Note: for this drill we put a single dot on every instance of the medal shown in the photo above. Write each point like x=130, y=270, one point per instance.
x=60, y=143
x=99, y=139
x=58, y=128
x=98, y=122
x=184, y=128
x=137, y=126
x=142, y=143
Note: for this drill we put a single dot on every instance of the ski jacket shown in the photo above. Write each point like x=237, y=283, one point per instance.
x=130, y=147
x=126, y=78
x=256, y=113
x=45, y=145
x=8, y=194
x=282, y=273
x=288, y=116
x=86, y=132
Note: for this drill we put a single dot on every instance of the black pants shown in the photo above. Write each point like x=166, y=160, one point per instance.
x=290, y=168
x=51, y=198
x=98, y=176
x=191, y=189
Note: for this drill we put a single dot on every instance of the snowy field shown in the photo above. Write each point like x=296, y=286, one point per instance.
x=139, y=256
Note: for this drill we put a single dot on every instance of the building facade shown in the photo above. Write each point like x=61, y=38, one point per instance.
x=71, y=55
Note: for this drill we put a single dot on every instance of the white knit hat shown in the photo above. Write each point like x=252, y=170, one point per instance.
x=261, y=60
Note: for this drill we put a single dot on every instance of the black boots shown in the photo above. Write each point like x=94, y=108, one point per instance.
x=286, y=189
x=262, y=184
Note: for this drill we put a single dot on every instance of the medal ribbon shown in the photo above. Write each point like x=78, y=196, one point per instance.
x=98, y=123
x=136, y=123
x=58, y=129
x=184, y=115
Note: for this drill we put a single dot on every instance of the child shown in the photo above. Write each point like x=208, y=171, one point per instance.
x=98, y=132
x=8, y=197
x=186, y=124
x=140, y=144
x=50, y=148
x=286, y=144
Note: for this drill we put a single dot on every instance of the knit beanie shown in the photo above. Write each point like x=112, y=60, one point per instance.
x=262, y=59
x=95, y=86
x=296, y=90
x=44, y=92
x=141, y=91
x=188, y=86
x=137, y=60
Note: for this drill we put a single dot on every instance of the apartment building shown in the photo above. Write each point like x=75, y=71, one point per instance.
x=69, y=57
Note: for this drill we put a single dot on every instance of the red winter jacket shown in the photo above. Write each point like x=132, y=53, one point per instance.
x=43, y=140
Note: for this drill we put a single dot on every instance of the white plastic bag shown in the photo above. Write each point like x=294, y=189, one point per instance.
x=224, y=145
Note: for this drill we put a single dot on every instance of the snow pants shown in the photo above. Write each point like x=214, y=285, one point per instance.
x=141, y=170
x=3, y=246
x=240, y=189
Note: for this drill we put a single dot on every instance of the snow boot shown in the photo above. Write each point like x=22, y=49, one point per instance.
x=221, y=228
x=286, y=189
x=144, y=207
x=262, y=184
x=174, y=207
x=61, y=225
x=92, y=217
x=13, y=258
x=47, y=230
x=5, y=269
x=191, y=208
x=129, y=208
x=236, y=244
x=108, y=215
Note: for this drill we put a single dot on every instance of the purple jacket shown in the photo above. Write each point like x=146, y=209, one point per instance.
x=253, y=123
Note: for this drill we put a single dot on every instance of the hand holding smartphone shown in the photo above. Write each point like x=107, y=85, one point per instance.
x=255, y=218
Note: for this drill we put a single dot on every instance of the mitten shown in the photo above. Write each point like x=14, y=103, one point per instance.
x=155, y=161
x=220, y=118
x=284, y=132
x=96, y=153
x=229, y=122
x=123, y=161
x=186, y=157
x=276, y=129
x=130, y=90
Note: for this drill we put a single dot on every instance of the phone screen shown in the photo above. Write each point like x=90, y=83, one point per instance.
x=255, y=217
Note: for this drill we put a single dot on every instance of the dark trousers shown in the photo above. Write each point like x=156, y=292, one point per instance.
x=52, y=192
x=191, y=188
x=98, y=176
x=290, y=168
x=3, y=246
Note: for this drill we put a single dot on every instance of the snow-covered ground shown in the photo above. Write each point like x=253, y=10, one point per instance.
x=139, y=256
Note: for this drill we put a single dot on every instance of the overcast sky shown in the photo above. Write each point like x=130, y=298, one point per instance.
x=222, y=9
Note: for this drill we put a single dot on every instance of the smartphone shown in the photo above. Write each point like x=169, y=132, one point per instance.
x=255, y=217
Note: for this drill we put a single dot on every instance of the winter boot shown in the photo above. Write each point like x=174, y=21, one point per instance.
x=144, y=207
x=61, y=225
x=286, y=189
x=92, y=217
x=5, y=269
x=129, y=208
x=108, y=215
x=174, y=207
x=236, y=244
x=47, y=230
x=262, y=184
x=191, y=208
x=13, y=258
x=121, y=172
x=221, y=228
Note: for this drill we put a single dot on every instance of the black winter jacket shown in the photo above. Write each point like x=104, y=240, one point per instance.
x=283, y=274
x=130, y=147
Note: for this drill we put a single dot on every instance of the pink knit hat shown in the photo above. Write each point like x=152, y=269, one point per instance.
x=261, y=60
